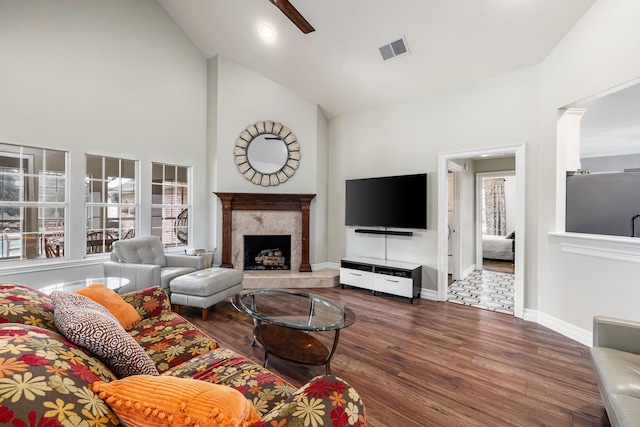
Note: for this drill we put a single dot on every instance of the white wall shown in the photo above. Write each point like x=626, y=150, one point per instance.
x=406, y=137
x=106, y=77
x=319, y=251
x=243, y=98
x=600, y=52
x=212, y=155
x=610, y=163
x=119, y=78
x=562, y=290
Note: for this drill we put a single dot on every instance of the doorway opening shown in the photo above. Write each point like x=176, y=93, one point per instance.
x=491, y=285
x=496, y=212
x=469, y=235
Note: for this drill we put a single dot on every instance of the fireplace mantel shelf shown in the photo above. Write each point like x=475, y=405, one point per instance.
x=265, y=202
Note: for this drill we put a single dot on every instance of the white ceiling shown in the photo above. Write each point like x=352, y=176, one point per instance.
x=339, y=67
x=611, y=124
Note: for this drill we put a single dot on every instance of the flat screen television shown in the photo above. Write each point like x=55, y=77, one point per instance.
x=392, y=201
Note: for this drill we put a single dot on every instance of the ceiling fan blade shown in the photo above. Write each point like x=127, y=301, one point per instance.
x=292, y=13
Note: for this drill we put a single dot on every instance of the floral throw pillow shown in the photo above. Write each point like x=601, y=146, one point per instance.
x=22, y=304
x=88, y=324
x=45, y=381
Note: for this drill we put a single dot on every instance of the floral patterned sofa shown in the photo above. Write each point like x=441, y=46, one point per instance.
x=46, y=380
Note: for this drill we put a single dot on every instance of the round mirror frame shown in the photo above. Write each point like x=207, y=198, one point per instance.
x=267, y=179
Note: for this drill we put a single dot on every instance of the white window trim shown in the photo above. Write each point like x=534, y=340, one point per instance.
x=177, y=248
x=22, y=264
x=135, y=205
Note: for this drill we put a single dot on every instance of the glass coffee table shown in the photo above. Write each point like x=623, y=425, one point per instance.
x=284, y=320
x=114, y=283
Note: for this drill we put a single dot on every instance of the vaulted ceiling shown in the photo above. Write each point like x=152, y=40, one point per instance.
x=611, y=124
x=339, y=65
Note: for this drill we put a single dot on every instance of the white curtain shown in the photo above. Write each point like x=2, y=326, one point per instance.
x=495, y=212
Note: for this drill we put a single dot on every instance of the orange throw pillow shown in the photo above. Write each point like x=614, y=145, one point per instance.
x=159, y=401
x=124, y=312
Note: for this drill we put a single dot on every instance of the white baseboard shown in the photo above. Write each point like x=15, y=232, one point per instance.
x=324, y=266
x=330, y=265
x=430, y=294
x=468, y=271
x=560, y=326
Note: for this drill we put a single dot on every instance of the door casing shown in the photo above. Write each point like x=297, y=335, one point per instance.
x=518, y=150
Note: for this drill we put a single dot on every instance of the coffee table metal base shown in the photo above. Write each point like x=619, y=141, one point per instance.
x=294, y=345
x=290, y=324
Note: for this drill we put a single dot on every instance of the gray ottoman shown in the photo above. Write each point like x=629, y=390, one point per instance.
x=205, y=288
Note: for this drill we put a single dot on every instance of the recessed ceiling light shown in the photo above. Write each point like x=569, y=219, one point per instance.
x=267, y=32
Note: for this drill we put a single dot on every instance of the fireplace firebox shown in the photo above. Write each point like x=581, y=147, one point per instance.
x=267, y=252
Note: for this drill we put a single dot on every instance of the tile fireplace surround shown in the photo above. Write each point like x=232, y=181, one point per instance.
x=261, y=223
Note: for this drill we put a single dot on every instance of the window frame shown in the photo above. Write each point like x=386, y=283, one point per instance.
x=34, y=178
x=99, y=239
x=164, y=183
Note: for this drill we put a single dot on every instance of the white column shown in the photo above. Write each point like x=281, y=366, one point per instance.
x=569, y=131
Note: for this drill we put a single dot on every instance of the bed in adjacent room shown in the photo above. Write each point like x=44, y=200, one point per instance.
x=498, y=247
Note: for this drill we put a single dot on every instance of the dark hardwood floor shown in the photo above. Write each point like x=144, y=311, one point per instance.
x=498, y=265
x=441, y=364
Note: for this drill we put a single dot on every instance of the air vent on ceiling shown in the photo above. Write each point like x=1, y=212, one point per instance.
x=394, y=49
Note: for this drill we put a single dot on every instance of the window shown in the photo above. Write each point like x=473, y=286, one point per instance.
x=601, y=137
x=597, y=143
x=32, y=202
x=170, y=204
x=110, y=195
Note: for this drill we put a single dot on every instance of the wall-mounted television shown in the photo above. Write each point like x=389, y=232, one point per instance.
x=391, y=201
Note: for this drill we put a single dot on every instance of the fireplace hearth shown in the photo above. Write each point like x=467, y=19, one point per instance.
x=267, y=252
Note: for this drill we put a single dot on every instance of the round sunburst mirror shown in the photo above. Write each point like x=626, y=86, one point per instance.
x=267, y=153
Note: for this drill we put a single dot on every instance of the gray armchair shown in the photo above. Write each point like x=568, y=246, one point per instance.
x=142, y=260
x=616, y=362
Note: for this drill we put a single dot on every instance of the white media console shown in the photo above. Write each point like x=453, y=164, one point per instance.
x=382, y=276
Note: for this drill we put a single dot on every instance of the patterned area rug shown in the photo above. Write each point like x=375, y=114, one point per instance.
x=485, y=289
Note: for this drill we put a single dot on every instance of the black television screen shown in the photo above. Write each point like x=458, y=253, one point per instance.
x=393, y=201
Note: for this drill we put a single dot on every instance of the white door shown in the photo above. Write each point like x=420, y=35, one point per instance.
x=454, y=254
x=451, y=224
